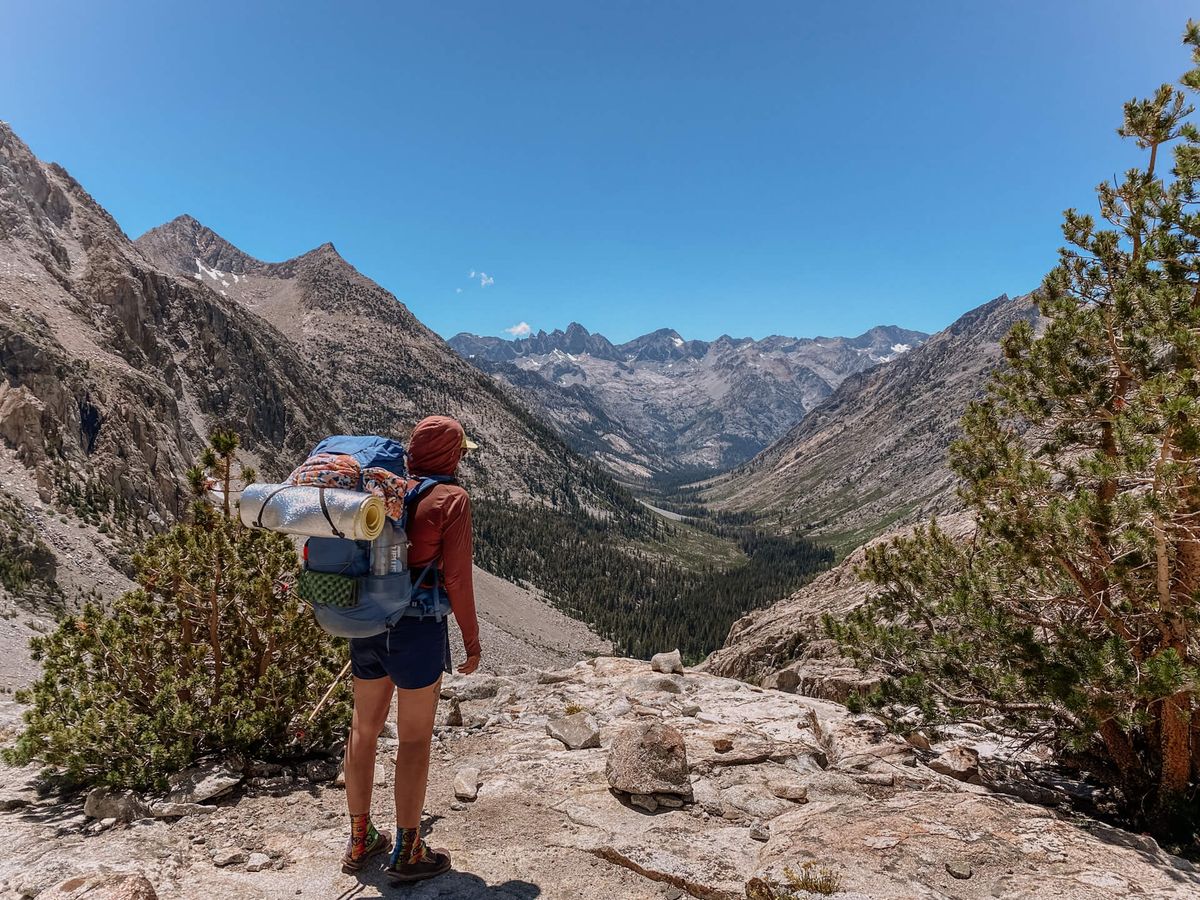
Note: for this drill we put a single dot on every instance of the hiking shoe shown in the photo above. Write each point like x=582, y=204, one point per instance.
x=437, y=863
x=353, y=864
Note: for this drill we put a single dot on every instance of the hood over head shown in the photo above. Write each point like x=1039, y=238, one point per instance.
x=436, y=446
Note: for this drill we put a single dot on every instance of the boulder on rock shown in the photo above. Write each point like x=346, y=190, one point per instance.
x=205, y=782
x=961, y=763
x=789, y=790
x=102, y=886
x=644, y=801
x=470, y=687
x=959, y=869
x=649, y=758
x=752, y=801
x=657, y=684
x=466, y=784
x=670, y=663
x=229, y=856
x=578, y=731
x=165, y=809
x=452, y=717
x=107, y=803
x=919, y=739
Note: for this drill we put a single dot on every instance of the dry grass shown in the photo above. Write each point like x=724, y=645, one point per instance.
x=812, y=878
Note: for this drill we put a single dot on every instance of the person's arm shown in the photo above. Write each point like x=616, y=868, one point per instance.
x=457, y=557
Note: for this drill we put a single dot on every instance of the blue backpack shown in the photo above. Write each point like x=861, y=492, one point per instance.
x=368, y=450
x=354, y=603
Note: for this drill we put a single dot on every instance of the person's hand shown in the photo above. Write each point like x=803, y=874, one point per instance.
x=470, y=665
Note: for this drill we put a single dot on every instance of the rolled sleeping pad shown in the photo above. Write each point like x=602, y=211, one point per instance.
x=297, y=509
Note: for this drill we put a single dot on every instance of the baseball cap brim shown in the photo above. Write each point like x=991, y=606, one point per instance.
x=469, y=444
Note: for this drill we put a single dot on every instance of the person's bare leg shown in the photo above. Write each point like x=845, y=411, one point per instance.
x=415, y=712
x=372, y=702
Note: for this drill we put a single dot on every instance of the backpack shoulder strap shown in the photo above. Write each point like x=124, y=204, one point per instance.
x=418, y=491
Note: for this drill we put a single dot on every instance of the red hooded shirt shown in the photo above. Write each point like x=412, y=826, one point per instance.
x=441, y=526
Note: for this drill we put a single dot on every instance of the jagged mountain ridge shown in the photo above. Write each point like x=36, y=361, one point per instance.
x=880, y=343
x=660, y=404
x=873, y=455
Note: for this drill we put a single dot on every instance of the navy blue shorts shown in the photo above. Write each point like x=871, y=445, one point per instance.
x=414, y=653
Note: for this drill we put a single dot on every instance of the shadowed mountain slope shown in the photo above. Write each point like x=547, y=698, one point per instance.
x=873, y=455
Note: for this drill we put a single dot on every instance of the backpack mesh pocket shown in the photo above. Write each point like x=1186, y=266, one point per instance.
x=327, y=589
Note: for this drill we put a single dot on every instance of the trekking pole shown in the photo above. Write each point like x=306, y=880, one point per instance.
x=320, y=703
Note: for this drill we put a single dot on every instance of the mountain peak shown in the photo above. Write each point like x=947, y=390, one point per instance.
x=660, y=345
x=185, y=240
x=324, y=252
x=885, y=340
x=184, y=220
x=326, y=249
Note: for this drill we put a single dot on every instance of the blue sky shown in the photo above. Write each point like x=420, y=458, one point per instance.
x=761, y=167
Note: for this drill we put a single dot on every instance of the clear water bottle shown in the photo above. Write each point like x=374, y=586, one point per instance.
x=399, y=550
x=382, y=549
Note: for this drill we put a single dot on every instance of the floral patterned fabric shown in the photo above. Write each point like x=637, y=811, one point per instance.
x=331, y=470
x=389, y=487
x=339, y=470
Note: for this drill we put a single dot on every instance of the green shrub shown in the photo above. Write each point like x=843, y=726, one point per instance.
x=211, y=653
x=1073, y=616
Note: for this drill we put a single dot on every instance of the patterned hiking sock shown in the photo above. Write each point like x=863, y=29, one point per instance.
x=409, y=847
x=362, y=835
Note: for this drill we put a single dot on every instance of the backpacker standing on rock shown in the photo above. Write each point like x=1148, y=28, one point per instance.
x=410, y=658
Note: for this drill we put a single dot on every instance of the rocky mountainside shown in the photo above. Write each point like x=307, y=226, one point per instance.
x=113, y=372
x=535, y=791
x=118, y=359
x=873, y=454
x=660, y=404
x=114, y=368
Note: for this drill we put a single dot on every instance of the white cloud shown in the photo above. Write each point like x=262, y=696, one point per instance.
x=520, y=330
x=485, y=280
x=458, y=290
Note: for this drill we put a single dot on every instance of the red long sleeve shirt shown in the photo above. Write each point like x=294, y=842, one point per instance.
x=441, y=526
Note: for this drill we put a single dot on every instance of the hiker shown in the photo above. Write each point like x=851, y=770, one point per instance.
x=410, y=658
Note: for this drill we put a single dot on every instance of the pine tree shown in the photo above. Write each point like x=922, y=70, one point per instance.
x=1074, y=614
x=211, y=653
